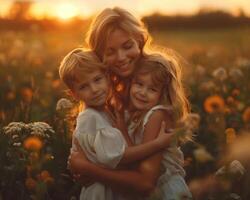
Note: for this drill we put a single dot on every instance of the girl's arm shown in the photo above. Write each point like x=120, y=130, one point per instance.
x=149, y=147
x=138, y=152
x=143, y=179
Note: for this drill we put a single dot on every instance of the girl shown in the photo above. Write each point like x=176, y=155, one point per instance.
x=153, y=90
x=119, y=40
x=85, y=76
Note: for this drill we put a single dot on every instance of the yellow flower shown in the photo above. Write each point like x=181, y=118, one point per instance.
x=246, y=115
x=33, y=143
x=30, y=183
x=214, y=104
x=230, y=135
x=202, y=155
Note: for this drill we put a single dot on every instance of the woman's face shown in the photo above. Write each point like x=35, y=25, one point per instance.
x=121, y=53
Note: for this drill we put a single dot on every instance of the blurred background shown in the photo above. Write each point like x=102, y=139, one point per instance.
x=36, y=123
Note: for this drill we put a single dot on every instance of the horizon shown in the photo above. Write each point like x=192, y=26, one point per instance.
x=65, y=10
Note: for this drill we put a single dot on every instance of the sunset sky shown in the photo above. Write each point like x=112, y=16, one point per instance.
x=66, y=9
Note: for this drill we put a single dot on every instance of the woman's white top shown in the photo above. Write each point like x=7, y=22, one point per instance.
x=102, y=144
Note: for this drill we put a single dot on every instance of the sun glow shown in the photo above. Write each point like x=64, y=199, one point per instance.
x=66, y=11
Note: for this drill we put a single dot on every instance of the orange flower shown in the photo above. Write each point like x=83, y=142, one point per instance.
x=214, y=104
x=46, y=177
x=33, y=143
x=27, y=94
x=230, y=135
x=30, y=183
x=246, y=115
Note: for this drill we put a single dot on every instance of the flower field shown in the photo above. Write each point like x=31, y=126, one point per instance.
x=36, y=123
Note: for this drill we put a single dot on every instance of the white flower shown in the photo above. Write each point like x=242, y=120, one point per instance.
x=15, y=128
x=17, y=144
x=234, y=168
x=236, y=74
x=63, y=104
x=192, y=121
x=40, y=129
x=243, y=62
x=207, y=86
x=200, y=70
x=220, y=74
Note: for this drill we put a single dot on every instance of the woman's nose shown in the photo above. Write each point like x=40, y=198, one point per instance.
x=93, y=87
x=121, y=55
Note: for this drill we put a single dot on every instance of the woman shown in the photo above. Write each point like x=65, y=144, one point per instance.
x=119, y=40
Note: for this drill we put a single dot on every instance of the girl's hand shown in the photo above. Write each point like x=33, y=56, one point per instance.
x=165, y=137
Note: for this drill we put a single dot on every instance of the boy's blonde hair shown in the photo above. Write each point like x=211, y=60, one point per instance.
x=77, y=65
x=167, y=73
x=109, y=20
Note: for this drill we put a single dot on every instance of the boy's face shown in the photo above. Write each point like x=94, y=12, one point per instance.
x=93, y=91
x=144, y=94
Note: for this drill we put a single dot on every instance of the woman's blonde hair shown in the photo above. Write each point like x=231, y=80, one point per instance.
x=109, y=20
x=165, y=70
x=77, y=65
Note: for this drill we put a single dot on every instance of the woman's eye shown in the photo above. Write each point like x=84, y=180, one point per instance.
x=138, y=83
x=98, y=79
x=128, y=46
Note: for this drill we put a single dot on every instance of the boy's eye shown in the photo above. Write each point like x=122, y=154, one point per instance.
x=83, y=87
x=153, y=89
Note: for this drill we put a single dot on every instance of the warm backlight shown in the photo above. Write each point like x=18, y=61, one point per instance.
x=66, y=11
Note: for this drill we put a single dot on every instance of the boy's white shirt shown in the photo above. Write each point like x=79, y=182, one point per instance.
x=102, y=144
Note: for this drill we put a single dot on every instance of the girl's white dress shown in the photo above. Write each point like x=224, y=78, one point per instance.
x=171, y=184
x=102, y=144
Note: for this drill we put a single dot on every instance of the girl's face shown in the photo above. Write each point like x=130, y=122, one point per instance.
x=144, y=94
x=121, y=53
x=94, y=90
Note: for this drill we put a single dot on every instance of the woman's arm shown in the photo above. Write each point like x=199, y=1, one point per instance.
x=143, y=179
